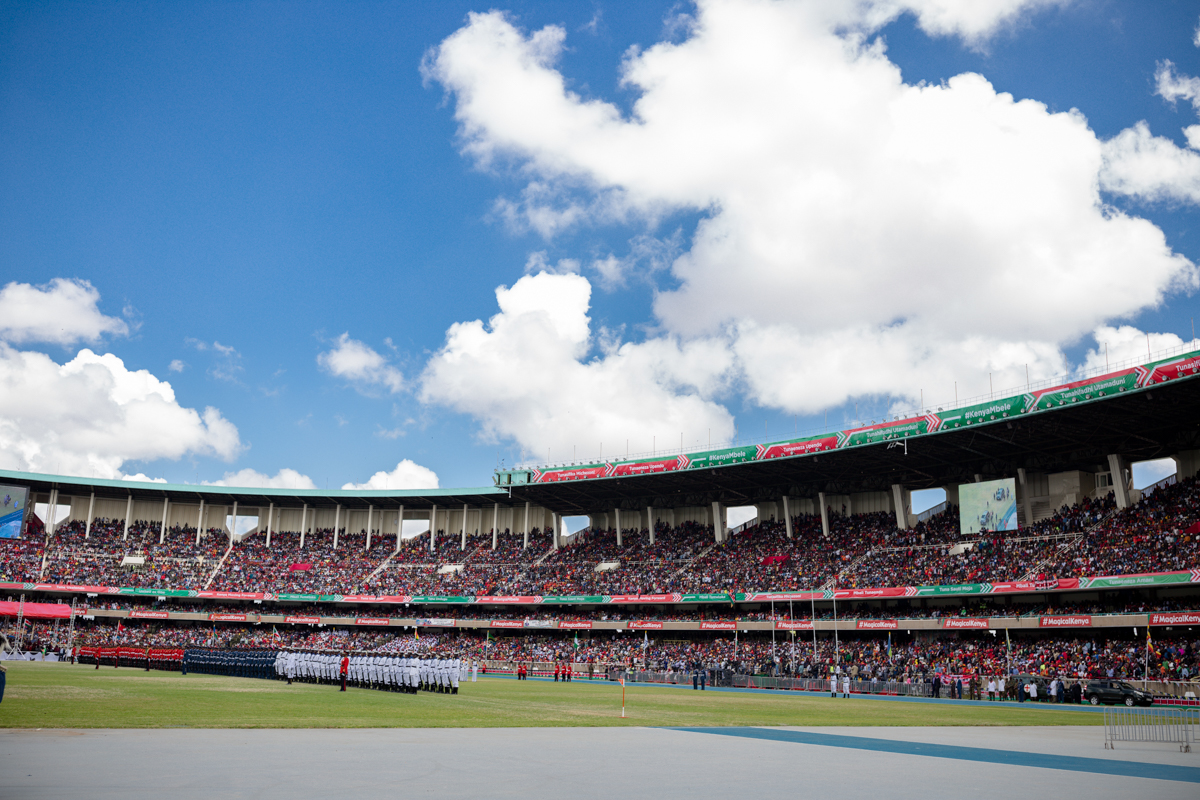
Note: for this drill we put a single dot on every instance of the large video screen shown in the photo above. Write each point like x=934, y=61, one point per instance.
x=988, y=506
x=13, y=502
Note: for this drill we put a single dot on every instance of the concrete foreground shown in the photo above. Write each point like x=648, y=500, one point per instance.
x=577, y=763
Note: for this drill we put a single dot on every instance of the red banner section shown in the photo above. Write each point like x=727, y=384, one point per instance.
x=794, y=625
x=646, y=598
x=301, y=567
x=575, y=625
x=507, y=623
x=227, y=617
x=717, y=626
x=877, y=625
x=964, y=622
x=303, y=620
x=370, y=598
x=644, y=467
x=1175, y=618
x=1066, y=621
x=372, y=621
x=509, y=599
x=859, y=594
x=9, y=608
x=1035, y=586
x=65, y=587
x=150, y=614
x=645, y=625
x=232, y=595
x=771, y=561
x=798, y=448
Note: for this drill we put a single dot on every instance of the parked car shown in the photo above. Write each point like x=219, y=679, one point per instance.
x=1120, y=692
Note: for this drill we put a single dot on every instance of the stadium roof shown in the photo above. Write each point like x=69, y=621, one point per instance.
x=1151, y=422
x=251, y=496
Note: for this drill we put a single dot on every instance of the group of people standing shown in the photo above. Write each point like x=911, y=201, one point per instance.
x=395, y=673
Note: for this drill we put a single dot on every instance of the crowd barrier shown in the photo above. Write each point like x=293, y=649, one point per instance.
x=1173, y=725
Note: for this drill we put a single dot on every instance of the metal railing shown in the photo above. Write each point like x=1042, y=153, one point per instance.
x=1172, y=725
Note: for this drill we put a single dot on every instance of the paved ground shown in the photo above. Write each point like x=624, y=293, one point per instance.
x=577, y=763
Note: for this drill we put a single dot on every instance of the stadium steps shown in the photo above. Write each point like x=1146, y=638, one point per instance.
x=832, y=582
x=1037, y=569
x=220, y=564
x=370, y=578
x=687, y=565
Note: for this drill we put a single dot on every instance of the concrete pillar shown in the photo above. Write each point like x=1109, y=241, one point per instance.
x=270, y=519
x=128, y=513
x=87, y=532
x=720, y=530
x=200, y=522
x=303, y=524
x=526, y=525
x=1116, y=466
x=51, y=509
x=1025, y=501
x=399, y=527
x=787, y=515
x=370, y=516
x=495, y=524
x=951, y=495
x=824, y=514
x=233, y=523
x=433, y=529
x=650, y=521
x=162, y=531
x=672, y=520
x=1187, y=463
x=901, y=506
x=463, y=545
x=617, y=512
x=554, y=531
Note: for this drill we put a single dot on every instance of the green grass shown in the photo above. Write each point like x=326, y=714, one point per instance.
x=63, y=696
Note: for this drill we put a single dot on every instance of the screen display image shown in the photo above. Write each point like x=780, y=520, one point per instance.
x=13, y=501
x=988, y=506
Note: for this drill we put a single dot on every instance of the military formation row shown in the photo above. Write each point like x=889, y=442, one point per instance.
x=395, y=673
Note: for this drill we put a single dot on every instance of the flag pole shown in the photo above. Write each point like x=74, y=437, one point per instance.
x=622, y=698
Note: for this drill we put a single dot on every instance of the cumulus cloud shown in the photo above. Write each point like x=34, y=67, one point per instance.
x=63, y=311
x=360, y=365
x=526, y=376
x=91, y=415
x=1152, y=167
x=406, y=475
x=283, y=479
x=1126, y=345
x=1173, y=87
x=860, y=235
x=142, y=477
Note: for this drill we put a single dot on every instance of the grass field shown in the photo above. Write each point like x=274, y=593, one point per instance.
x=62, y=696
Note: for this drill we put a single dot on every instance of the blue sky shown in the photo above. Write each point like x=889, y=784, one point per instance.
x=283, y=209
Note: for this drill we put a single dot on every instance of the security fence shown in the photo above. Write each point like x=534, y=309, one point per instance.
x=1173, y=725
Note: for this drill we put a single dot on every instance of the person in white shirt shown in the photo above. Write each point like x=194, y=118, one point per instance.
x=846, y=685
x=991, y=688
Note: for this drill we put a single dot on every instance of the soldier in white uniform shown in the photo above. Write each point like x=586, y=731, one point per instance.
x=290, y=666
x=455, y=674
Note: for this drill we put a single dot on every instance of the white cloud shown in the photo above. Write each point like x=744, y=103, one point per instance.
x=91, y=415
x=526, y=375
x=142, y=477
x=1126, y=345
x=176, y=366
x=360, y=365
x=1196, y=36
x=61, y=312
x=1172, y=87
x=1151, y=167
x=860, y=235
x=406, y=475
x=283, y=479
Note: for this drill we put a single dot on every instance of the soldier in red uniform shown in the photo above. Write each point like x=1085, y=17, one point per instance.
x=345, y=668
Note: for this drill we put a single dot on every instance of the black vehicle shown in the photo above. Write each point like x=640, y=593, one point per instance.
x=1119, y=692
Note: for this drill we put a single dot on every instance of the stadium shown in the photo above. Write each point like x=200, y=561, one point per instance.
x=820, y=380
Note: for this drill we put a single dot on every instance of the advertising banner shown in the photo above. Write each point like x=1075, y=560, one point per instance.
x=714, y=625
x=1035, y=586
x=436, y=622
x=1066, y=621
x=580, y=473
x=299, y=598
x=877, y=624
x=538, y=623
x=954, y=589
x=507, y=623
x=226, y=617
x=509, y=599
x=575, y=625
x=574, y=599
x=799, y=447
x=717, y=597
x=645, y=625
x=1144, y=579
x=231, y=595
x=302, y=620
x=421, y=598
x=372, y=621
x=857, y=594
x=67, y=587
x=150, y=615
x=960, y=623
x=794, y=625
x=782, y=597
x=127, y=590
x=645, y=598
x=1175, y=618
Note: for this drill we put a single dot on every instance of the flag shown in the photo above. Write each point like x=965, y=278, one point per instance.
x=645, y=639
x=889, y=645
x=417, y=633
x=576, y=640
x=121, y=627
x=622, y=681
